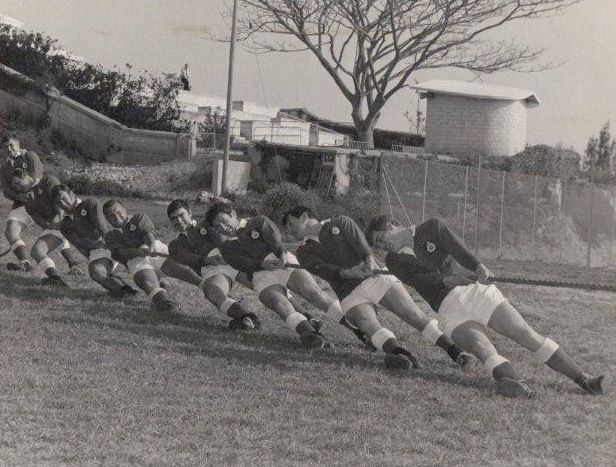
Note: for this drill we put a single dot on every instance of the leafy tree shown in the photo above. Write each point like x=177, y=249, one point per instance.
x=370, y=48
x=143, y=101
x=601, y=152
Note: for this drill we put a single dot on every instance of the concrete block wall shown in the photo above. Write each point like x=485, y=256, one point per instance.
x=465, y=125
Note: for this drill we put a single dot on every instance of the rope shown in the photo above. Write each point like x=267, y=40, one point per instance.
x=408, y=219
x=391, y=209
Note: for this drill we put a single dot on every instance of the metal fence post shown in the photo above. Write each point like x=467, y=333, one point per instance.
x=609, y=262
x=465, y=197
x=477, y=215
x=532, y=250
x=590, y=215
x=502, y=214
x=562, y=220
x=423, y=207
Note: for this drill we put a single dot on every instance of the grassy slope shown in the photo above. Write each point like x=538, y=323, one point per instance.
x=90, y=381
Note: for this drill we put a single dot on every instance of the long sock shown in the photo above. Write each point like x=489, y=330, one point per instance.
x=232, y=308
x=499, y=367
x=111, y=283
x=72, y=257
x=298, y=323
x=19, y=250
x=158, y=295
x=47, y=265
x=433, y=334
x=559, y=360
x=392, y=345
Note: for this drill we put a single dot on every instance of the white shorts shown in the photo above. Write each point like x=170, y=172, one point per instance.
x=371, y=290
x=142, y=263
x=58, y=235
x=221, y=269
x=20, y=215
x=261, y=280
x=474, y=302
x=100, y=253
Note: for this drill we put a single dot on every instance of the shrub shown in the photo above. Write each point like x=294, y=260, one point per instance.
x=282, y=197
x=361, y=205
x=82, y=184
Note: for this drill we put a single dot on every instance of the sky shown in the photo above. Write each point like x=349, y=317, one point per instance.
x=577, y=97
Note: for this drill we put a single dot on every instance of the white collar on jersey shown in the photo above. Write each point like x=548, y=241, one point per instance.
x=315, y=237
x=407, y=250
x=242, y=223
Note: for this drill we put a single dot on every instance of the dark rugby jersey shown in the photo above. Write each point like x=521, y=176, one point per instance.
x=435, y=245
x=130, y=237
x=41, y=207
x=193, y=246
x=85, y=225
x=341, y=245
x=257, y=239
x=29, y=162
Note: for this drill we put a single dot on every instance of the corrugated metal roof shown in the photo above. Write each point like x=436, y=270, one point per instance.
x=478, y=90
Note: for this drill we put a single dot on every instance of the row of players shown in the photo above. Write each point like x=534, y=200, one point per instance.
x=223, y=248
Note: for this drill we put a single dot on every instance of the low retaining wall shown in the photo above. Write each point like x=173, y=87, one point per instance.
x=95, y=135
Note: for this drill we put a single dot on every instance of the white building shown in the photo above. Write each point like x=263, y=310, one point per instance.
x=4, y=19
x=475, y=118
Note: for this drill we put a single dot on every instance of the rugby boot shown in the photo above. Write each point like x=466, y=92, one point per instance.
x=513, y=388
x=590, y=385
x=313, y=340
x=19, y=266
x=360, y=335
x=248, y=322
x=54, y=281
x=124, y=291
x=400, y=358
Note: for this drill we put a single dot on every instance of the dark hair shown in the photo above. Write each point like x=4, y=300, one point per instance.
x=6, y=135
x=110, y=203
x=377, y=224
x=217, y=208
x=297, y=212
x=55, y=191
x=177, y=204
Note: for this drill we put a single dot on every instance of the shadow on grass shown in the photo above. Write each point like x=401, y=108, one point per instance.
x=200, y=337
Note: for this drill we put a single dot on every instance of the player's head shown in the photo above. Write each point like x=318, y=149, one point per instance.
x=21, y=181
x=116, y=213
x=298, y=221
x=63, y=197
x=179, y=214
x=223, y=219
x=10, y=145
x=386, y=234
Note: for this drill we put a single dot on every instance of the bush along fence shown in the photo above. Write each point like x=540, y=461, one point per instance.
x=506, y=215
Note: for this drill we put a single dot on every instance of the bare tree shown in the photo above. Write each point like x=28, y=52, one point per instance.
x=371, y=47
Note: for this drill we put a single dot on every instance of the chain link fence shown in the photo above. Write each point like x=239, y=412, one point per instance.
x=506, y=215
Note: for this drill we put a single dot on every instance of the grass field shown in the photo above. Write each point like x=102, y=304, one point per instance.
x=87, y=380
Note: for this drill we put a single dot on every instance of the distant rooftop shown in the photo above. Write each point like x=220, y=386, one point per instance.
x=478, y=90
x=4, y=19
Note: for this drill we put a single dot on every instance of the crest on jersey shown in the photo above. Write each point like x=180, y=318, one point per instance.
x=40, y=191
x=84, y=212
x=254, y=234
x=203, y=231
x=430, y=247
x=335, y=231
x=132, y=227
x=25, y=165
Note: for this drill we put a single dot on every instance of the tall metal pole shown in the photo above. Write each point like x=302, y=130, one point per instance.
x=225, y=160
x=532, y=250
x=465, y=198
x=562, y=220
x=502, y=215
x=592, y=202
x=423, y=207
x=478, y=198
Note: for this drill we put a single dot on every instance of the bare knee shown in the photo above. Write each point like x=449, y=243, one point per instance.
x=13, y=231
x=98, y=271
x=39, y=250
